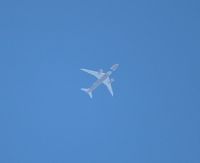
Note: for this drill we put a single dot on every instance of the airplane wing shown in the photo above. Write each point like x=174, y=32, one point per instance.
x=98, y=75
x=107, y=82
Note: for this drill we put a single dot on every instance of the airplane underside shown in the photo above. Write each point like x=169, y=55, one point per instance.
x=102, y=78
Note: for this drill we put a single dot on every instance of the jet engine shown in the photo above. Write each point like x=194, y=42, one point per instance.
x=112, y=80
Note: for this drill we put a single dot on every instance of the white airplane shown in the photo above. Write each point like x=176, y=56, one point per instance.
x=102, y=78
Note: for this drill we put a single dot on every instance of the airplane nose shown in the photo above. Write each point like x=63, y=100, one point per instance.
x=114, y=67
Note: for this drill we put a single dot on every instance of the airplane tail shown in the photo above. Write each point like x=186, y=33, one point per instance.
x=87, y=91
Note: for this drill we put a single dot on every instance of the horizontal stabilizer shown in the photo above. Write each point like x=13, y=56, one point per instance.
x=87, y=91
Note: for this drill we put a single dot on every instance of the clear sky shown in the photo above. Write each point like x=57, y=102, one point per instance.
x=154, y=116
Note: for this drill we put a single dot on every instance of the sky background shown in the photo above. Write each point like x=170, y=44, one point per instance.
x=154, y=114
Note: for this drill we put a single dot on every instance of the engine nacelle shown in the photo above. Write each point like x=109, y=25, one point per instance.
x=112, y=80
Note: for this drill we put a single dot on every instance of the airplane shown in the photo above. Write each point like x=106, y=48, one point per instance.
x=102, y=78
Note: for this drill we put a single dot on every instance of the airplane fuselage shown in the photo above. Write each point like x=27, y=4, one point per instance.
x=98, y=82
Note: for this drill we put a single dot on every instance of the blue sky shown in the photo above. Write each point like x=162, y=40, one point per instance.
x=154, y=114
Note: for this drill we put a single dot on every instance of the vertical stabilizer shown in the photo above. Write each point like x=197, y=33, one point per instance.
x=87, y=91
